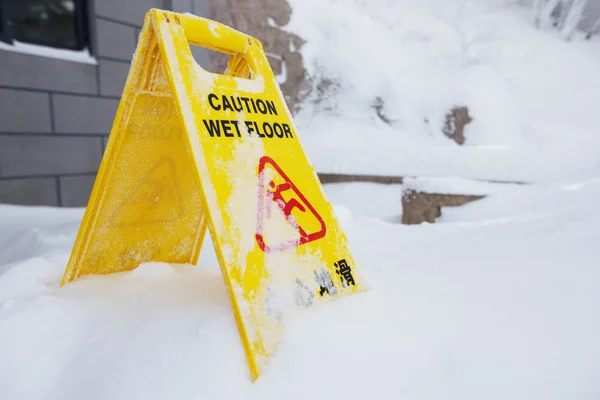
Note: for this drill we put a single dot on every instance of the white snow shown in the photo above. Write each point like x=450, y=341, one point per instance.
x=533, y=97
x=497, y=300
x=80, y=56
x=454, y=185
x=526, y=164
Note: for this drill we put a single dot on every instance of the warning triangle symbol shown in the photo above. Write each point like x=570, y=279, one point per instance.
x=276, y=190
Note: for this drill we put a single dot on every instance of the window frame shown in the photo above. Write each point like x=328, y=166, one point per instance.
x=82, y=32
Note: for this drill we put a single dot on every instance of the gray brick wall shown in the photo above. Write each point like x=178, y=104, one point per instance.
x=55, y=115
x=36, y=155
x=112, y=76
x=78, y=114
x=27, y=71
x=29, y=191
x=14, y=117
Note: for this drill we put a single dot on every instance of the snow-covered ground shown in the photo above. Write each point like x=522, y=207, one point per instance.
x=533, y=97
x=497, y=301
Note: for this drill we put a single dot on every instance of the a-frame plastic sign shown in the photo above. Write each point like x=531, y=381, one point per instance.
x=190, y=149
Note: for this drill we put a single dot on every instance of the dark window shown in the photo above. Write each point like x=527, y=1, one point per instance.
x=3, y=22
x=54, y=23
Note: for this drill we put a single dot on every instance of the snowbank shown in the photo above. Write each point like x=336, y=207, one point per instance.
x=493, y=302
x=455, y=185
x=530, y=94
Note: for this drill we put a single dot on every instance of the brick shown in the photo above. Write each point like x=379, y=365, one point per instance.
x=113, y=75
x=36, y=72
x=82, y=114
x=201, y=8
x=115, y=40
x=203, y=57
x=75, y=190
x=104, y=141
x=48, y=155
x=129, y=11
x=29, y=191
x=24, y=111
x=182, y=6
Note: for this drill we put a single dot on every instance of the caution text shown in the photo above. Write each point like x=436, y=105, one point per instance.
x=236, y=128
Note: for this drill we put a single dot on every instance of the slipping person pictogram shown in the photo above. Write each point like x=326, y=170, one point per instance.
x=295, y=201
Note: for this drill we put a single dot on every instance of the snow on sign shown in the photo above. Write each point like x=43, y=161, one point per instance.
x=273, y=196
x=190, y=149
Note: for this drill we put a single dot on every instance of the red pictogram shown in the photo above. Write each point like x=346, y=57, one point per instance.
x=270, y=193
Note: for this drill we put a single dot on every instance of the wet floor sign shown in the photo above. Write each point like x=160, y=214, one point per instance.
x=191, y=150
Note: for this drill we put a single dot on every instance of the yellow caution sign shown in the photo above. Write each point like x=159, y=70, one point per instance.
x=190, y=149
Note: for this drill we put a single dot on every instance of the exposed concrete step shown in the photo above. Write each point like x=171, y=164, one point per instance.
x=340, y=178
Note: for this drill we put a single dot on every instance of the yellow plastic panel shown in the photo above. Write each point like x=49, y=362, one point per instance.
x=191, y=149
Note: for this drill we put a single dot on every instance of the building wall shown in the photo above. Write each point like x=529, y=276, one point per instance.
x=55, y=115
